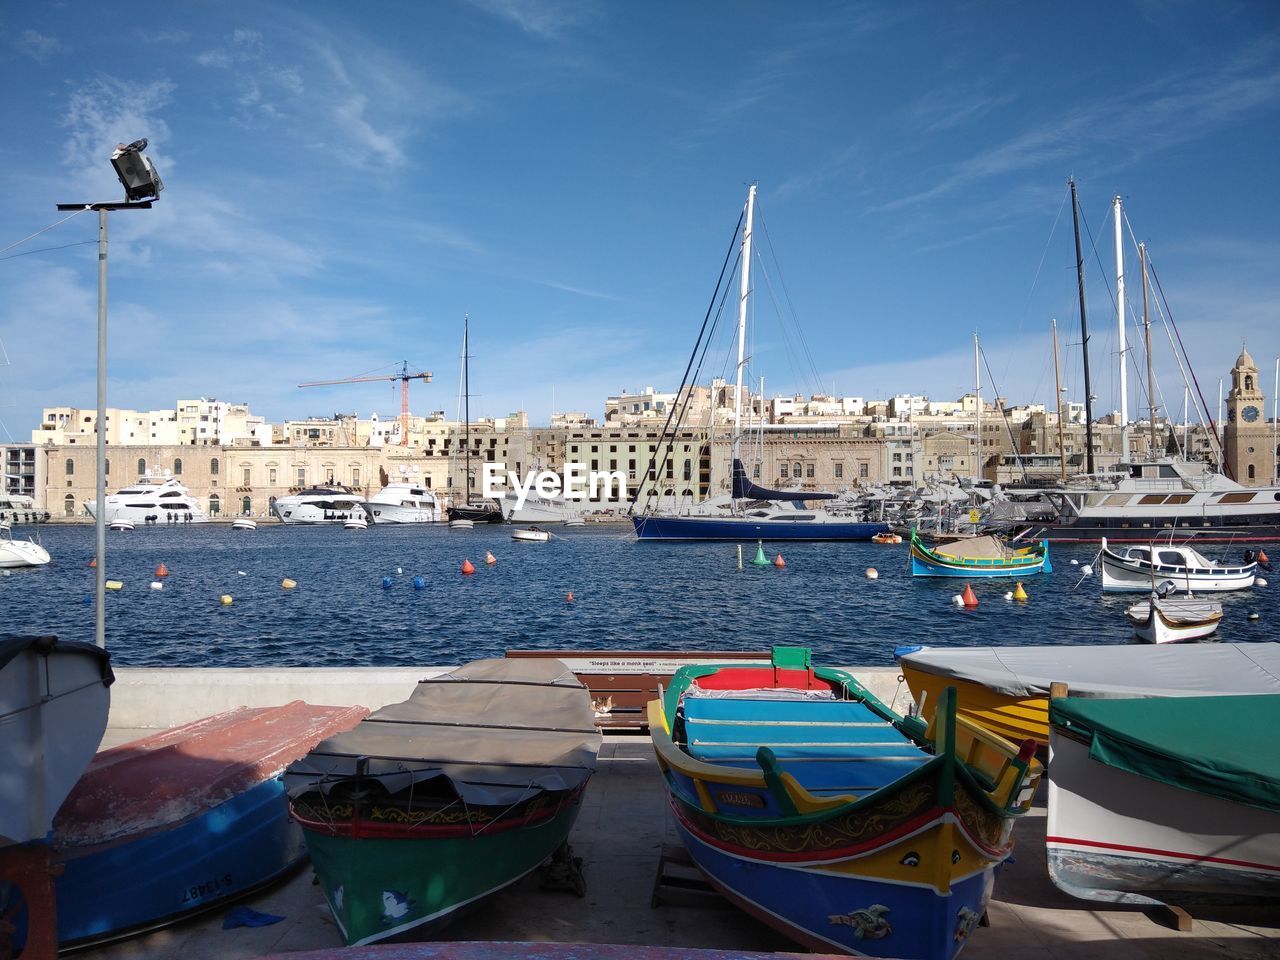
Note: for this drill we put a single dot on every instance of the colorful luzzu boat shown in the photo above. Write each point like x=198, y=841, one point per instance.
x=814, y=807
x=430, y=805
x=988, y=556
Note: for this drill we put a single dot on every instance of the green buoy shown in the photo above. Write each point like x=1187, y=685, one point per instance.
x=761, y=560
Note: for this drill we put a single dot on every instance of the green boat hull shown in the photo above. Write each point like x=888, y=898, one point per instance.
x=408, y=888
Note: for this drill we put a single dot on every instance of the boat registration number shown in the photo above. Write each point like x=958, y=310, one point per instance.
x=199, y=891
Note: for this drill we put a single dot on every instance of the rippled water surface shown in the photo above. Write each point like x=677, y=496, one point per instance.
x=627, y=595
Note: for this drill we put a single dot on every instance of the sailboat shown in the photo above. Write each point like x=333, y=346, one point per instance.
x=753, y=512
x=476, y=511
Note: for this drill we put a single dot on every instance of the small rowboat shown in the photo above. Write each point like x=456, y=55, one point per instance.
x=887, y=538
x=1138, y=567
x=989, y=556
x=244, y=523
x=355, y=523
x=120, y=525
x=1174, y=619
x=462, y=523
x=531, y=535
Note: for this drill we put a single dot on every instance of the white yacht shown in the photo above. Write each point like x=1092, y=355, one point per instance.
x=329, y=504
x=151, y=500
x=20, y=553
x=403, y=502
x=19, y=508
x=539, y=509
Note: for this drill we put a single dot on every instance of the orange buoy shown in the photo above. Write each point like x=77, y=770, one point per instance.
x=489, y=558
x=93, y=562
x=162, y=571
x=569, y=597
x=969, y=597
x=779, y=562
x=1262, y=558
x=467, y=567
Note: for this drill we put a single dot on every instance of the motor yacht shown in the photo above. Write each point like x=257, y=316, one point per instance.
x=328, y=504
x=20, y=553
x=403, y=502
x=151, y=500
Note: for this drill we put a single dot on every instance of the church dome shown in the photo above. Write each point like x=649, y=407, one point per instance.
x=1244, y=361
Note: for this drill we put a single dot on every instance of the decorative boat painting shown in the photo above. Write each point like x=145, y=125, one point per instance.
x=811, y=805
x=987, y=556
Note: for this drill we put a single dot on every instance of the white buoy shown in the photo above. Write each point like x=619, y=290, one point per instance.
x=1009, y=595
x=873, y=573
x=957, y=600
x=1075, y=563
x=242, y=573
x=398, y=570
x=1259, y=582
x=157, y=585
x=1253, y=616
x=1087, y=570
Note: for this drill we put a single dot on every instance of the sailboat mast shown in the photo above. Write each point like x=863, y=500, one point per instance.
x=1057, y=391
x=743, y=295
x=1146, y=329
x=1124, y=387
x=466, y=407
x=977, y=410
x=1084, y=332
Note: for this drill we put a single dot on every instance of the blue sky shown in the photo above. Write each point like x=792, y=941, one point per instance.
x=345, y=181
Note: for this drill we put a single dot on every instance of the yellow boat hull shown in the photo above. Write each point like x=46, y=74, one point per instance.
x=1013, y=718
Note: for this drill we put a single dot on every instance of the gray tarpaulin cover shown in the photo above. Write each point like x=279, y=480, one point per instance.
x=1182, y=670
x=500, y=730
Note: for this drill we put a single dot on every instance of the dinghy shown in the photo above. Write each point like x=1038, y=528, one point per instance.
x=1166, y=619
x=531, y=535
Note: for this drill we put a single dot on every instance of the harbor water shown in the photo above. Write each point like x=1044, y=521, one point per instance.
x=395, y=596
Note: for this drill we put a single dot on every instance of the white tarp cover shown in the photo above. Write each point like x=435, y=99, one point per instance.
x=500, y=730
x=1199, y=670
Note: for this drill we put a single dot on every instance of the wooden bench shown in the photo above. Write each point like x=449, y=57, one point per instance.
x=622, y=682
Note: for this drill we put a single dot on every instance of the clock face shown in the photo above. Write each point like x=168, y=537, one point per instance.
x=1250, y=413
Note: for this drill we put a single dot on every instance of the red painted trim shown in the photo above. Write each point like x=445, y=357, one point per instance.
x=1163, y=853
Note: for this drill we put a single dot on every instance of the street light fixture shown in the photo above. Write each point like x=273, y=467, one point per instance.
x=141, y=184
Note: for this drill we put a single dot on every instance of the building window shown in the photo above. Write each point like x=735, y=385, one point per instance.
x=755, y=472
x=808, y=470
x=215, y=505
x=782, y=471
x=213, y=467
x=839, y=470
x=271, y=476
x=247, y=472
x=106, y=467
x=797, y=465
x=688, y=470
x=142, y=467
x=246, y=506
x=68, y=506
x=177, y=467
x=355, y=476
x=1251, y=471
x=302, y=476
x=71, y=467
x=862, y=471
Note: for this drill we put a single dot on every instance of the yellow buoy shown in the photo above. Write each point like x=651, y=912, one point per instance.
x=225, y=599
x=1019, y=594
x=288, y=584
x=114, y=585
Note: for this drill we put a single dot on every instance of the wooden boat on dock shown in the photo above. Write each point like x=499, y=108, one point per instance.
x=183, y=821
x=431, y=805
x=812, y=806
x=986, y=556
x=1006, y=689
x=1165, y=801
x=1136, y=569
x=1162, y=619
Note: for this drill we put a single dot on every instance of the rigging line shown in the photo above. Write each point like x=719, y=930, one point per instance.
x=56, y=223
x=793, y=355
x=1013, y=441
x=1039, y=267
x=786, y=294
x=27, y=253
x=706, y=318
x=1204, y=407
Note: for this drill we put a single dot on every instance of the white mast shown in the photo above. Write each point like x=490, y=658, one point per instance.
x=744, y=294
x=1275, y=421
x=1124, y=387
x=977, y=410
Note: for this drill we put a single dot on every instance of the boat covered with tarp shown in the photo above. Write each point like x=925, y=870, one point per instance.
x=815, y=808
x=430, y=805
x=985, y=556
x=1163, y=800
x=1007, y=688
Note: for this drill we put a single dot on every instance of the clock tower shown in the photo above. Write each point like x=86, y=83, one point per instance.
x=1246, y=438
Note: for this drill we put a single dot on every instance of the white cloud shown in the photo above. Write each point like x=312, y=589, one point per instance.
x=37, y=46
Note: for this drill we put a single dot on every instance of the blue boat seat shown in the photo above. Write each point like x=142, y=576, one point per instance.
x=829, y=746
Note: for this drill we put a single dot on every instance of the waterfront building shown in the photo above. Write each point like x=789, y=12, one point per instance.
x=21, y=474
x=1247, y=436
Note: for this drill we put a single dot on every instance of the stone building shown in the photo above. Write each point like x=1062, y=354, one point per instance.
x=1247, y=437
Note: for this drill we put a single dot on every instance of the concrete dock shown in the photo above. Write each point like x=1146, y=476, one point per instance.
x=620, y=836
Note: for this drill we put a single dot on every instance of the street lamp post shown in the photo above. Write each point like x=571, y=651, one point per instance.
x=140, y=182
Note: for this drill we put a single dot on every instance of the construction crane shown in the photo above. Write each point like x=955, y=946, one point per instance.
x=404, y=376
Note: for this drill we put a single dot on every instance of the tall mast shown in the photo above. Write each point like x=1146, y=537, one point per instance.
x=977, y=409
x=466, y=406
x=743, y=296
x=1146, y=328
x=1124, y=386
x=1084, y=333
x=1057, y=391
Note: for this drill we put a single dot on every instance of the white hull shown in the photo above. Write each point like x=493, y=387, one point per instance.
x=403, y=503
x=319, y=506
x=536, y=509
x=20, y=553
x=356, y=523
x=243, y=524
x=1121, y=838
x=461, y=525
x=531, y=536
x=150, y=500
x=1174, y=620
x=1131, y=570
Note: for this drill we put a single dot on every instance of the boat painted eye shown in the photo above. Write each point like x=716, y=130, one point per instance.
x=955, y=856
x=912, y=859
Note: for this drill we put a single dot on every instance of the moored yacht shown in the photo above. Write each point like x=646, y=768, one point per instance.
x=328, y=504
x=151, y=500
x=540, y=509
x=403, y=502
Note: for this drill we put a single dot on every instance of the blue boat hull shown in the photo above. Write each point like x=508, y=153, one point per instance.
x=237, y=847
x=921, y=568
x=726, y=528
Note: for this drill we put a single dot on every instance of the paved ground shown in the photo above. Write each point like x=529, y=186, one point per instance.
x=623, y=827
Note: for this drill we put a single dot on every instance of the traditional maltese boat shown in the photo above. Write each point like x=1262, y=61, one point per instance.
x=1160, y=800
x=431, y=805
x=1163, y=619
x=1136, y=569
x=814, y=807
x=988, y=556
